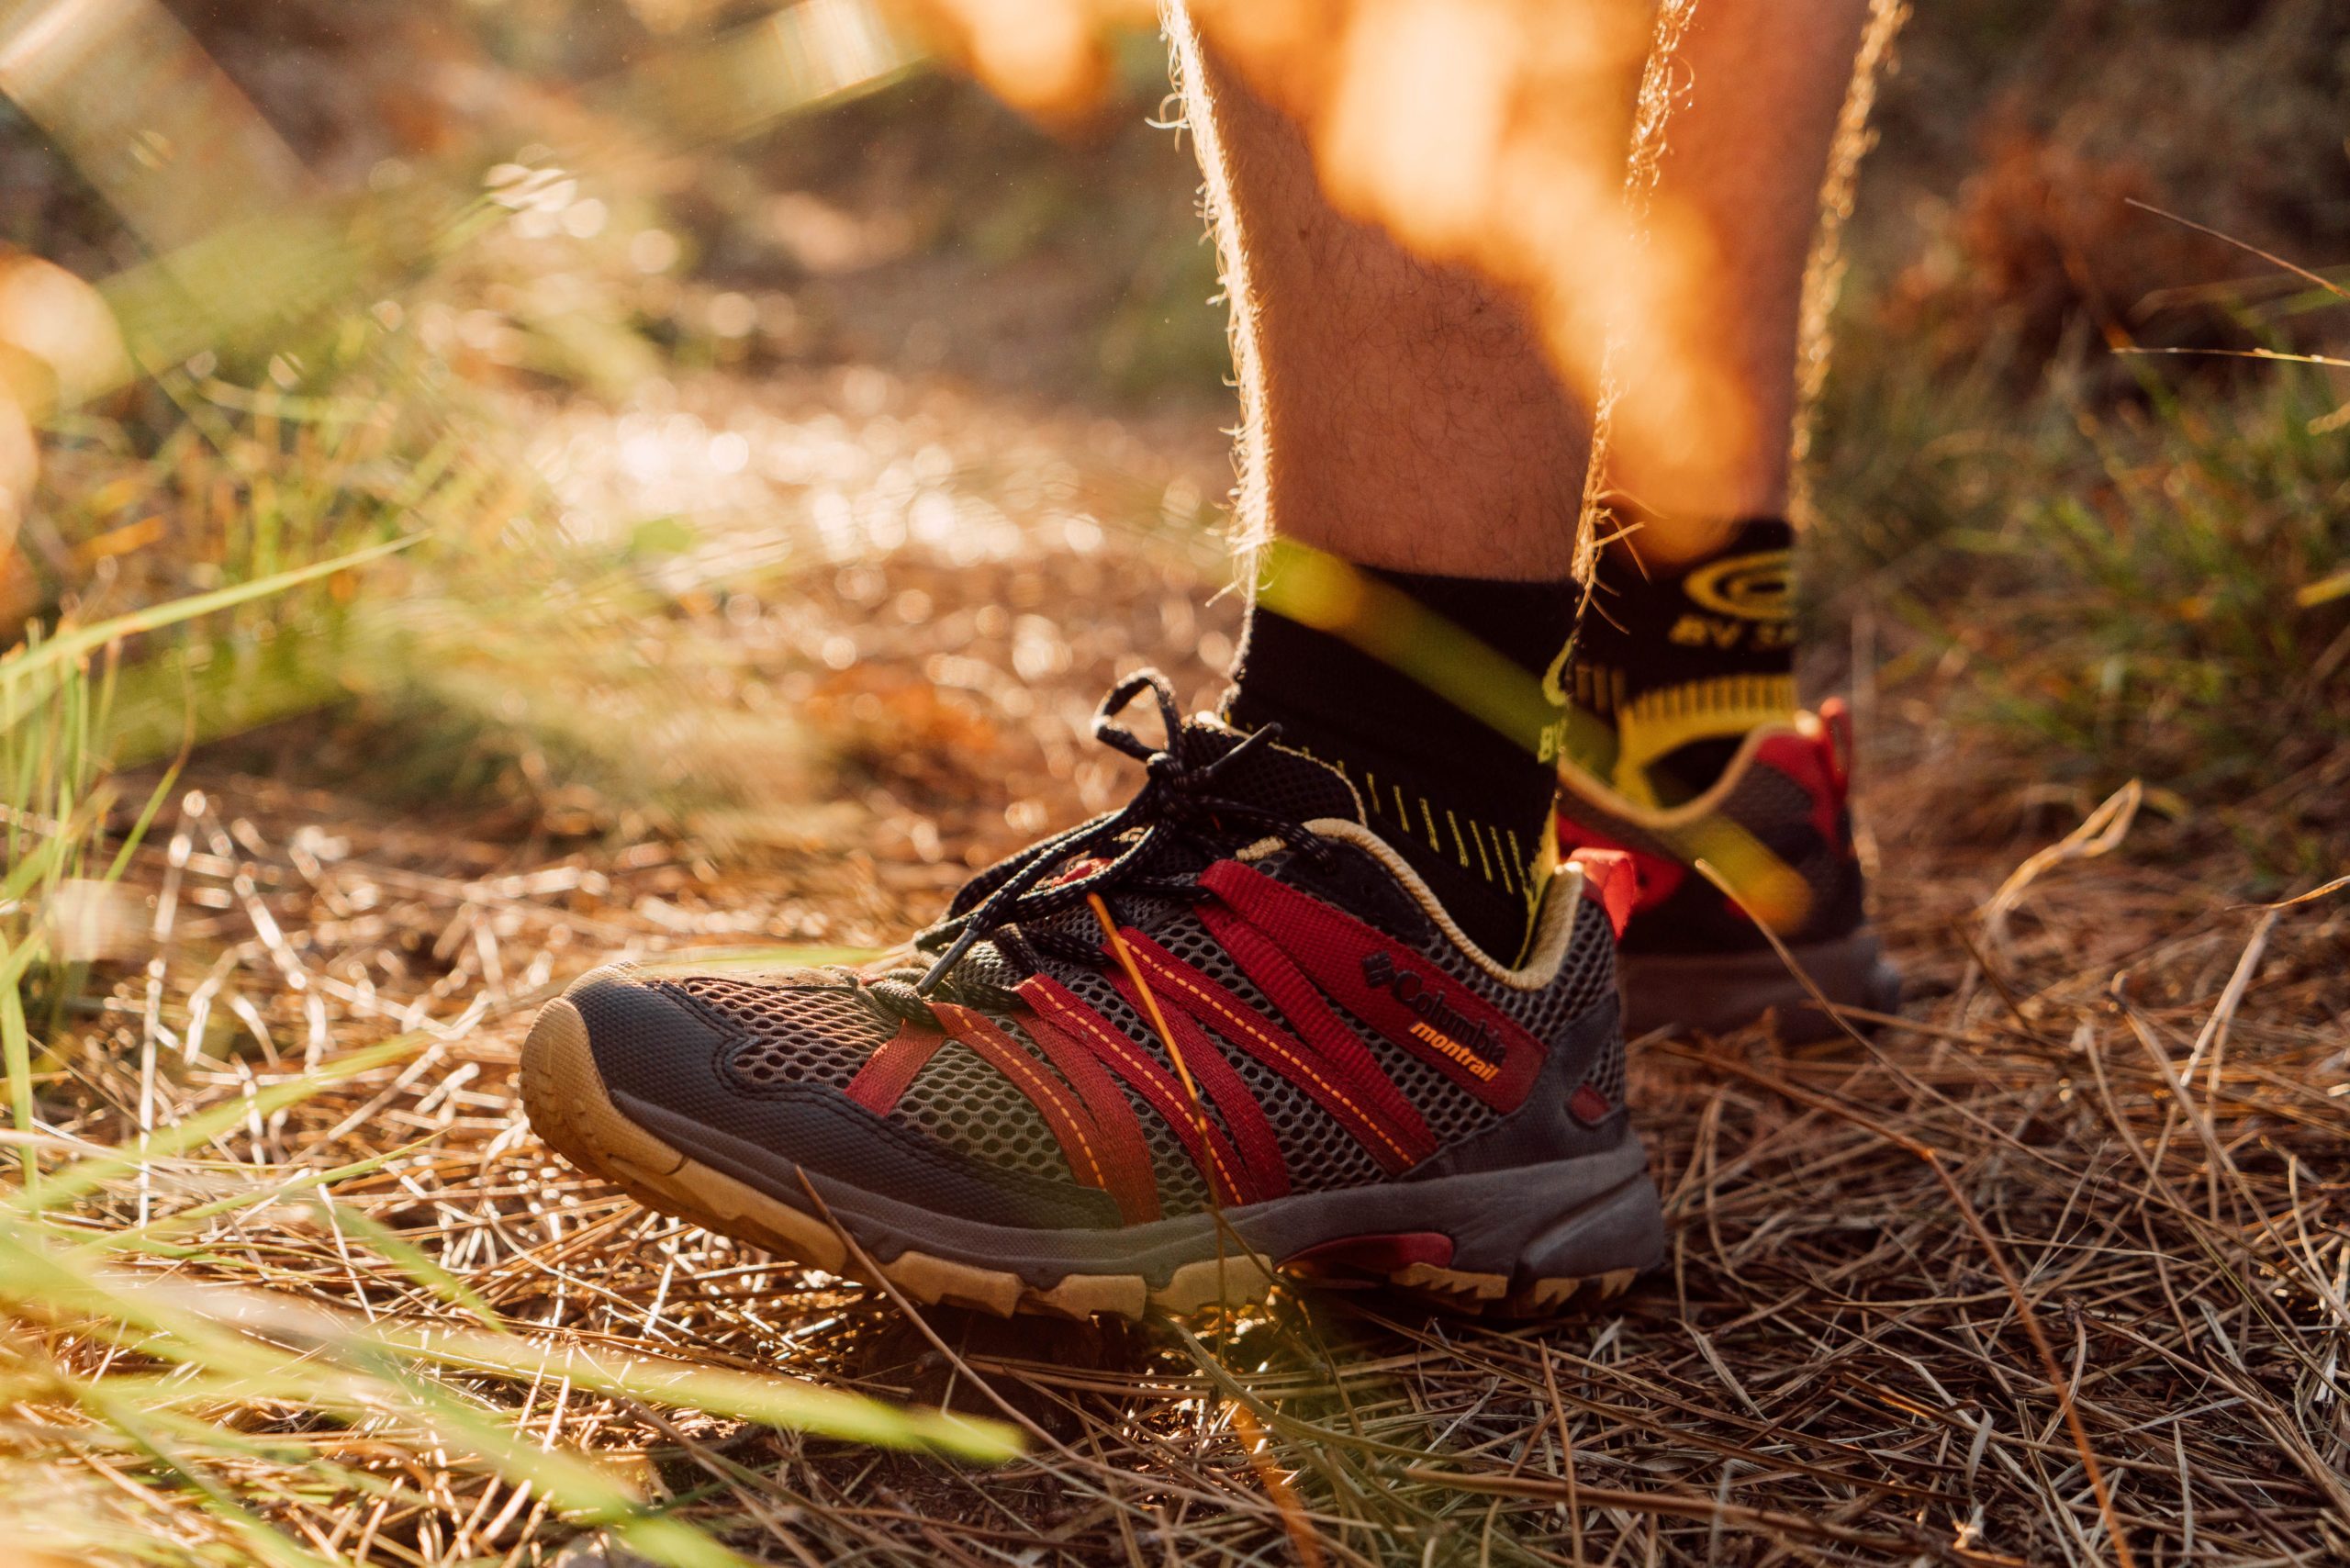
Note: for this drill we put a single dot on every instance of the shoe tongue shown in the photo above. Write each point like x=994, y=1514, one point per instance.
x=1268, y=775
x=1288, y=784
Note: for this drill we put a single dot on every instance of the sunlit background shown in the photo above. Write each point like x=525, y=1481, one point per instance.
x=678, y=341
x=486, y=485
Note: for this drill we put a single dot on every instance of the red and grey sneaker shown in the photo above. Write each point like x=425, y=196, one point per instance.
x=1287, y=1057
x=1777, y=826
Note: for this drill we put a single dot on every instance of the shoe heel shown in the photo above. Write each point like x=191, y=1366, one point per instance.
x=1721, y=992
x=1528, y=1254
x=1623, y=1230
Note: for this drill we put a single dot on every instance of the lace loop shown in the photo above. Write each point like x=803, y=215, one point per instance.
x=1178, y=801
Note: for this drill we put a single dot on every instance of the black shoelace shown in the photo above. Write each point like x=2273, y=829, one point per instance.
x=1178, y=805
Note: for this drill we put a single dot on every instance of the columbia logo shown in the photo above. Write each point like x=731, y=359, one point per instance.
x=1441, y=1024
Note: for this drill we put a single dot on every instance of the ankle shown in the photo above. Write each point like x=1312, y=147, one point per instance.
x=1464, y=797
x=1679, y=664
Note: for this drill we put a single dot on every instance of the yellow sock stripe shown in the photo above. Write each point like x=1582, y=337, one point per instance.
x=1658, y=722
x=1325, y=593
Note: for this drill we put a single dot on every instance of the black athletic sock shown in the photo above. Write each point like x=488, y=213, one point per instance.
x=1707, y=650
x=1466, y=804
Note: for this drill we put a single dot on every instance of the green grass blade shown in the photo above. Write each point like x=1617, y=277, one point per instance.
x=68, y=647
x=138, y=833
x=97, y=1169
x=154, y=1235
x=411, y=1261
x=267, y=1543
x=15, y=1048
x=771, y=1400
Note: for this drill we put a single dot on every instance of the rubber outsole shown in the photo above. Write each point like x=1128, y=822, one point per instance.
x=1721, y=992
x=1619, y=1224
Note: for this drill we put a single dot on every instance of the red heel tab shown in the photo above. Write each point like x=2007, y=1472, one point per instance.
x=1609, y=880
x=1836, y=742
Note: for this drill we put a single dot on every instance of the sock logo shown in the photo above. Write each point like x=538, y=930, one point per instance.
x=1552, y=742
x=1441, y=1024
x=1730, y=636
x=1757, y=586
x=1554, y=688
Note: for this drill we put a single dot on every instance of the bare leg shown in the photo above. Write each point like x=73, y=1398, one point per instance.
x=1403, y=412
x=1690, y=644
x=1397, y=412
x=1413, y=414
x=1745, y=155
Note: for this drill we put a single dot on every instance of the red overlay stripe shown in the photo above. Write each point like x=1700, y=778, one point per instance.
x=1332, y=947
x=1221, y=1085
x=884, y=1078
x=1331, y=1037
x=1070, y=1125
x=1218, y=1164
x=1126, y=1155
x=1117, y=1141
x=1213, y=1006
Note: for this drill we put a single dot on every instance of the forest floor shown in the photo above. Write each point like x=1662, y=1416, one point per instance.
x=2097, y=1165
x=774, y=528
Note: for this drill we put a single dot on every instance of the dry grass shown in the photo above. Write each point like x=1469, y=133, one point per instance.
x=2131, y=1087
x=2053, y=1268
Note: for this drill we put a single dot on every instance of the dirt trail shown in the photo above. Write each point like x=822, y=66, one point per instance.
x=1830, y=1364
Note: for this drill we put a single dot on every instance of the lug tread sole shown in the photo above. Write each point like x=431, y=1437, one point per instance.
x=566, y=1100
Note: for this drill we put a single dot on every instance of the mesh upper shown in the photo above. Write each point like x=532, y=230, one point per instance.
x=1180, y=1187
x=785, y=1033
x=1779, y=811
x=1768, y=795
x=1586, y=974
x=961, y=1101
x=819, y=1029
x=823, y=1029
x=1450, y=1111
x=1606, y=1074
x=1319, y=1149
x=1320, y=1152
x=1764, y=802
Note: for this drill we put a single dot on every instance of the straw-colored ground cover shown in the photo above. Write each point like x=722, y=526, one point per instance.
x=723, y=549
x=2052, y=1267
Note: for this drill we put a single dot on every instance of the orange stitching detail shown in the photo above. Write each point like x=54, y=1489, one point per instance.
x=1028, y=1073
x=1116, y=943
x=1053, y=1040
x=1368, y=1061
x=1019, y=1061
x=1143, y=1067
x=1305, y=1066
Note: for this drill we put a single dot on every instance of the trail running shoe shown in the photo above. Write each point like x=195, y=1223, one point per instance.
x=1777, y=826
x=1287, y=1058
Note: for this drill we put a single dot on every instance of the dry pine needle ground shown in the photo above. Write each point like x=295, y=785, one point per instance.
x=2133, y=1084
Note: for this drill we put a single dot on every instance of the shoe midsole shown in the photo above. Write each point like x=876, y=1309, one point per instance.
x=1568, y=1218
x=1726, y=991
